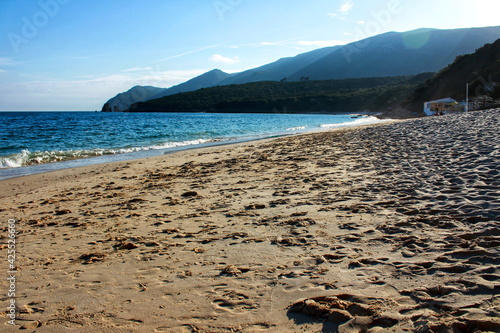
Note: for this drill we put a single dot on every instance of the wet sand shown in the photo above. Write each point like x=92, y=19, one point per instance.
x=390, y=227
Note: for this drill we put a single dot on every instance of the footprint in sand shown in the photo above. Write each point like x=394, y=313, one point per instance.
x=176, y=329
x=234, y=302
x=66, y=323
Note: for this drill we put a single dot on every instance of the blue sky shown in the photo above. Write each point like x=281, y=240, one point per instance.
x=71, y=55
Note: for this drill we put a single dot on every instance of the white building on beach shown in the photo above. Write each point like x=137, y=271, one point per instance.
x=443, y=106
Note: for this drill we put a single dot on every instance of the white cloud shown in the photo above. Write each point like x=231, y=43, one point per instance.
x=138, y=69
x=343, y=11
x=291, y=41
x=163, y=79
x=6, y=62
x=346, y=7
x=2, y=71
x=186, y=53
x=361, y=22
x=278, y=43
x=322, y=43
x=270, y=43
x=86, y=94
x=224, y=60
x=79, y=58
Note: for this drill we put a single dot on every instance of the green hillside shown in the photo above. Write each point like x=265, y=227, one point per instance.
x=304, y=96
x=480, y=69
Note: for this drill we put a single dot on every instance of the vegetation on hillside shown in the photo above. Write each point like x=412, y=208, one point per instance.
x=480, y=69
x=329, y=96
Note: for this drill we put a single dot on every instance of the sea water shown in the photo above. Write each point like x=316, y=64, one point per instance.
x=33, y=142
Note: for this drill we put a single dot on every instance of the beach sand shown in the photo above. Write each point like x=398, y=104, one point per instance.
x=383, y=228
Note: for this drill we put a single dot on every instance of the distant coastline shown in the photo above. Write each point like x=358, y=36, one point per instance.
x=301, y=97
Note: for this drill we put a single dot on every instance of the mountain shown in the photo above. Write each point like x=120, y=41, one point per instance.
x=389, y=54
x=282, y=68
x=122, y=101
x=480, y=69
x=208, y=79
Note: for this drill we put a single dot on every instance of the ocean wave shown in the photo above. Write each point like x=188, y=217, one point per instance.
x=296, y=128
x=365, y=120
x=26, y=158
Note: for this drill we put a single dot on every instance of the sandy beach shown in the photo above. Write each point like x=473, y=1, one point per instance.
x=385, y=228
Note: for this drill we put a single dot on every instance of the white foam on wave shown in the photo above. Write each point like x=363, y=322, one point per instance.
x=15, y=161
x=26, y=157
x=162, y=146
x=298, y=128
x=365, y=120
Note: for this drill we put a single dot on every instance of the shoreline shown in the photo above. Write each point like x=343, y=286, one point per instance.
x=176, y=155
x=14, y=172
x=29, y=170
x=389, y=226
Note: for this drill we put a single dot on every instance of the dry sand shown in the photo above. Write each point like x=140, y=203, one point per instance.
x=383, y=228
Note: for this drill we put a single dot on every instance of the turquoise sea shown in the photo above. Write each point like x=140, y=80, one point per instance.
x=34, y=142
